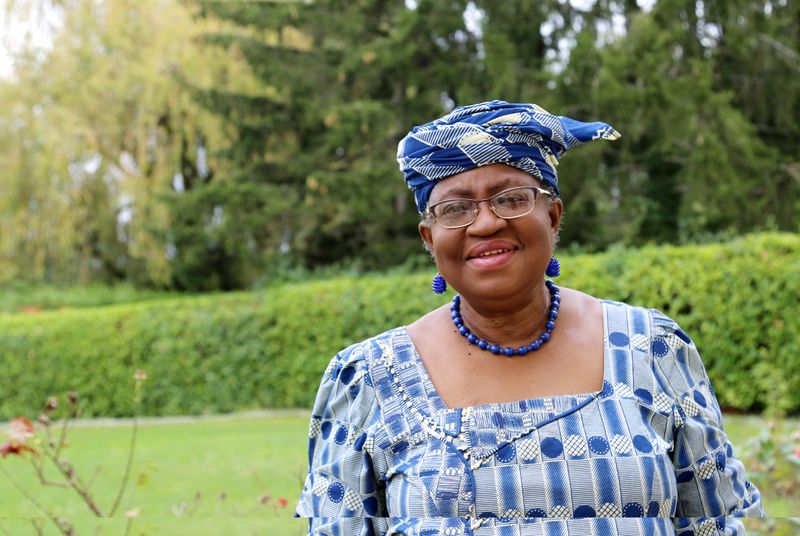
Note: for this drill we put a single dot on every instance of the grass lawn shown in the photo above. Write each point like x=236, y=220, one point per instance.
x=183, y=468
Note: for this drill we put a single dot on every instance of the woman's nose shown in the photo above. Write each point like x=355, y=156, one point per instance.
x=486, y=221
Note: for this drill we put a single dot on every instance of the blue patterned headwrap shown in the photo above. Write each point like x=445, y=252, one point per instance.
x=524, y=136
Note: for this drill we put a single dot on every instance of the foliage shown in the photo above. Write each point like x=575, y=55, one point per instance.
x=268, y=348
x=96, y=135
x=195, y=144
x=32, y=298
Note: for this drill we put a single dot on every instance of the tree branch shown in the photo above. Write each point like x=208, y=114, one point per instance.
x=128, y=467
x=63, y=525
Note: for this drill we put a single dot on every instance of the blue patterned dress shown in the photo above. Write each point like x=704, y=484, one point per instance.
x=645, y=455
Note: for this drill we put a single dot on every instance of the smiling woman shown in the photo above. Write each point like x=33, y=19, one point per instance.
x=522, y=408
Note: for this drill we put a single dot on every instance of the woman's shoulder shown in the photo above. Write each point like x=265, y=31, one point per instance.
x=641, y=320
x=361, y=355
x=659, y=340
x=347, y=392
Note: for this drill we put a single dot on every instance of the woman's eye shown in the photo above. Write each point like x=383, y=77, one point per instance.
x=454, y=208
x=511, y=200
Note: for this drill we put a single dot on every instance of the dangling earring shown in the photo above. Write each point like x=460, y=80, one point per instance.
x=553, y=268
x=438, y=284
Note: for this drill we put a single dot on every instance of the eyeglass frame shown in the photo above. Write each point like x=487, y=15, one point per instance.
x=536, y=190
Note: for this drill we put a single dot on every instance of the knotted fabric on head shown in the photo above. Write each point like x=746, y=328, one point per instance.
x=524, y=136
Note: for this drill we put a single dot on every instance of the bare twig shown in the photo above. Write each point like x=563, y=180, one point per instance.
x=791, y=57
x=37, y=466
x=128, y=526
x=128, y=466
x=62, y=439
x=63, y=526
x=75, y=483
x=94, y=477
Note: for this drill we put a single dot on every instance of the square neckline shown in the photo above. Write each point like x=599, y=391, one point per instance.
x=559, y=402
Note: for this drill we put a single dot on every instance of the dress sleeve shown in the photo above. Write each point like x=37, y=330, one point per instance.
x=713, y=489
x=341, y=494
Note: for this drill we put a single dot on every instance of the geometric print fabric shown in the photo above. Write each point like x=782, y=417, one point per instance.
x=521, y=135
x=644, y=455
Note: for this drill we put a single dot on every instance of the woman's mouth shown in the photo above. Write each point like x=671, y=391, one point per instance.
x=491, y=259
x=493, y=252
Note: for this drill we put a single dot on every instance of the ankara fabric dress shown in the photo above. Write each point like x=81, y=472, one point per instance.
x=644, y=455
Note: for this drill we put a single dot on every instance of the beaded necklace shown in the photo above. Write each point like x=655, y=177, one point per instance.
x=483, y=344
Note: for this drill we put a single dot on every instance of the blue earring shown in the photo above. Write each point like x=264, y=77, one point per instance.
x=438, y=284
x=553, y=268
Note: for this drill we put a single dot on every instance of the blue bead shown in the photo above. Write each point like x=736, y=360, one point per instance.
x=508, y=351
x=439, y=284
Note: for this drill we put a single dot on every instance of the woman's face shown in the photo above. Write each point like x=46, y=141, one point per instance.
x=492, y=257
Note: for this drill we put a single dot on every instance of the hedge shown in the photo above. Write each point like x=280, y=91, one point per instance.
x=738, y=300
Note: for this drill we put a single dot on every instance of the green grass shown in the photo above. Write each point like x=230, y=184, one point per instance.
x=194, y=464
x=194, y=461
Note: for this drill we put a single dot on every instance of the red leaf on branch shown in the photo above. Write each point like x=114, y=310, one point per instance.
x=20, y=430
x=10, y=448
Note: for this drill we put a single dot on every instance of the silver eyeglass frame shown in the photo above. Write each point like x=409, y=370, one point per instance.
x=476, y=202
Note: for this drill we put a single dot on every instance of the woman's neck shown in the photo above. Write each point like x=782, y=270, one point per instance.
x=513, y=321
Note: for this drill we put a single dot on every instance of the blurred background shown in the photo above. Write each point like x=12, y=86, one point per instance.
x=206, y=192
x=204, y=145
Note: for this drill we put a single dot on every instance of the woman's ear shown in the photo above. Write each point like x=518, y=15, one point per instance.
x=426, y=235
x=556, y=210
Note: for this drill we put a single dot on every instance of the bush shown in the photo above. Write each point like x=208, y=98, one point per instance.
x=738, y=300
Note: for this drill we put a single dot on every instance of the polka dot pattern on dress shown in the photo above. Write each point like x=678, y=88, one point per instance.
x=552, y=447
x=598, y=445
x=659, y=347
x=336, y=492
x=506, y=454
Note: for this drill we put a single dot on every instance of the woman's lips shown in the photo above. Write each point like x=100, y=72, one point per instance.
x=492, y=260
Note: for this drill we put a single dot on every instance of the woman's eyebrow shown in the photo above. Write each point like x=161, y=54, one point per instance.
x=460, y=193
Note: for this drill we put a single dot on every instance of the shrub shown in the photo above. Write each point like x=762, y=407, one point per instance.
x=738, y=300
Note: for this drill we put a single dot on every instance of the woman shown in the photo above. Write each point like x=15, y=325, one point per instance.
x=521, y=408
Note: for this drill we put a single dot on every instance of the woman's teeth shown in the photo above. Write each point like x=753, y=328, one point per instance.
x=493, y=252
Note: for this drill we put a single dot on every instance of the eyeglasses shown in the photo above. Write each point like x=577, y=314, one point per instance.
x=508, y=204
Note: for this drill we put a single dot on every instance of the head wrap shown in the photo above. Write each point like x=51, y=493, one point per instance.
x=524, y=136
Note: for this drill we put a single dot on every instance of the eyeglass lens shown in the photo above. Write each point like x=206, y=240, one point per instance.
x=511, y=203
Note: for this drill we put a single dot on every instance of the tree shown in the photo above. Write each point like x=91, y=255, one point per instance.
x=689, y=163
x=97, y=136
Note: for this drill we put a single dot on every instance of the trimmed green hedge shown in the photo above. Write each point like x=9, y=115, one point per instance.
x=739, y=301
